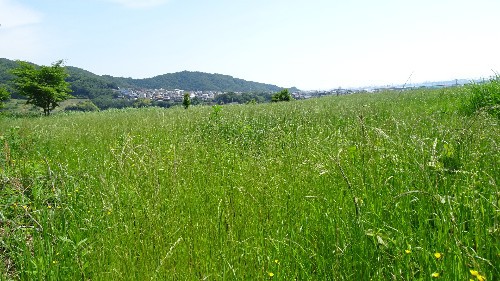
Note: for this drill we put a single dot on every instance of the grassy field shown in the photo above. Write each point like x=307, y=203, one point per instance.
x=389, y=186
x=19, y=107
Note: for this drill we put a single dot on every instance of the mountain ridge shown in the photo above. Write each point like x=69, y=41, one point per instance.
x=84, y=83
x=197, y=80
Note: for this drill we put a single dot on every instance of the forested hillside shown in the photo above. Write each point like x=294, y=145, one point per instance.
x=86, y=84
x=196, y=81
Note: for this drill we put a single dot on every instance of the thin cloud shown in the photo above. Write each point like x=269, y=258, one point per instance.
x=139, y=3
x=13, y=15
x=20, y=31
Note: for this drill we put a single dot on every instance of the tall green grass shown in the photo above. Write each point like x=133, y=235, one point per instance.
x=363, y=187
x=484, y=97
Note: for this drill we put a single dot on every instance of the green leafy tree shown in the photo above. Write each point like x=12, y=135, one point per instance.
x=283, y=95
x=43, y=86
x=186, y=102
x=4, y=95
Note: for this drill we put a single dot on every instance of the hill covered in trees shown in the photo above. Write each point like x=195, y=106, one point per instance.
x=86, y=84
x=197, y=81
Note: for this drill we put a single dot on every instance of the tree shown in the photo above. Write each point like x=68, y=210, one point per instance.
x=283, y=95
x=186, y=102
x=44, y=86
x=4, y=95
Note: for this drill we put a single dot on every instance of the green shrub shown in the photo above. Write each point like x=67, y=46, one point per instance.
x=484, y=97
x=283, y=95
x=85, y=106
x=4, y=95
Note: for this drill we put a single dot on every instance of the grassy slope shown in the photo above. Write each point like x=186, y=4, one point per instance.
x=332, y=188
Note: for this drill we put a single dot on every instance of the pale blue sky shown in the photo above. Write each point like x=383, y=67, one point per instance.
x=310, y=44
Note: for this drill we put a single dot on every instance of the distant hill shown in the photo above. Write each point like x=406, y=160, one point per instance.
x=90, y=85
x=198, y=81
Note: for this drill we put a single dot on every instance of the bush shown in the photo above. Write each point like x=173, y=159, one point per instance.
x=107, y=102
x=142, y=102
x=284, y=95
x=4, y=95
x=83, y=106
x=484, y=97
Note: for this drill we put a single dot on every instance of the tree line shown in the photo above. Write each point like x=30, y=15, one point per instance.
x=47, y=86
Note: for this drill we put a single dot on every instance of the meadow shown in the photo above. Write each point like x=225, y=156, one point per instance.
x=387, y=186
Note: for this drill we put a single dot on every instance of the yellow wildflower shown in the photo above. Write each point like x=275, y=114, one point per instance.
x=408, y=251
x=474, y=272
x=270, y=274
x=438, y=255
x=50, y=207
x=480, y=278
x=276, y=261
x=435, y=274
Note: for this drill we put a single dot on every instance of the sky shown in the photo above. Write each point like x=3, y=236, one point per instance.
x=309, y=44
